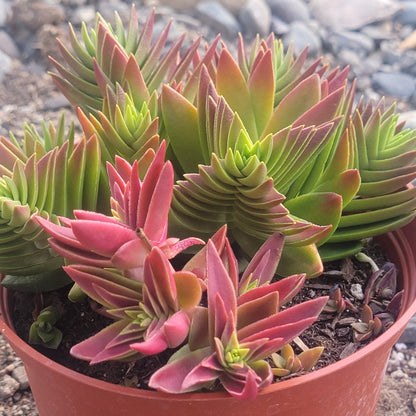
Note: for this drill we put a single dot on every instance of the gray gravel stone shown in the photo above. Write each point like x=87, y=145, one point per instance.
x=33, y=15
x=4, y=10
x=19, y=374
x=255, y=17
x=407, y=16
x=278, y=26
x=408, y=62
x=8, y=386
x=390, y=52
x=218, y=17
x=6, y=64
x=358, y=42
x=179, y=4
x=357, y=291
x=409, y=335
x=83, y=14
x=378, y=31
x=352, y=14
x=233, y=6
x=8, y=46
x=289, y=10
x=410, y=118
x=396, y=84
x=300, y=35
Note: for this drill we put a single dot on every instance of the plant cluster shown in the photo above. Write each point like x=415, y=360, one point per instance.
x=266, y=161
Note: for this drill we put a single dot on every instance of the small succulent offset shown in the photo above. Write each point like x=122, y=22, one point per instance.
x=203, y=191
x=286, y=362
x=43, y=330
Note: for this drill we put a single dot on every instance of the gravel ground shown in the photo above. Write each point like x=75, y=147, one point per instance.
x=376, y=37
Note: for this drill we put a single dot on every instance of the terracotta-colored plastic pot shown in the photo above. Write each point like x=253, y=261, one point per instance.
x=349, y=387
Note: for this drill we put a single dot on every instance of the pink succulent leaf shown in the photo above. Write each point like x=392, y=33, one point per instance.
x=176, y=328
x=229, y=334
x=90, y=216
x=278, y=337
x=172, y=246
x=158, y=209
x=116, y=300
x=79, y=256
x=262, y=266
x=156, y=171
x=63, y=234
x=120, y=173
x=198, y=262
x=231, y=264
x=95, y=349
x=170, y=378
x=168, y=334
x=287, y=289
x=218, y=318
x=221, y=291
x=155, y=343
x=231, y=364
x=130, y=255
x=204, y=374
x=159, y=290
x=244, y=385
x=258, y=308
x=304, y=313
x=109, y=282
x=103, y=238
x=198, y=331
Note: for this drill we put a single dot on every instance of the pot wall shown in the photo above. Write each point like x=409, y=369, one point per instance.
x=349, y=387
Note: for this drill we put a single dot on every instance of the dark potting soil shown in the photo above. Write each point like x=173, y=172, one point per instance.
x=80, y=320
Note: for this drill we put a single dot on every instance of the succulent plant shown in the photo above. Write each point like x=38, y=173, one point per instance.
x=139, y=222
x=368, y=327
x=384, y=154
x=43, y=330
x=335, y=166
x=286, y=362
x=115, y=53
x=239, y=157
x=269, y=144
x=46, y=176
x=122, y=262
x=230, y=339
x=149, y=317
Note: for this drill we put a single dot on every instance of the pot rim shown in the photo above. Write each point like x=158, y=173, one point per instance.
x=398, y=241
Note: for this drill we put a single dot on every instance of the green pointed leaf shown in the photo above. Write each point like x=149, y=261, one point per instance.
x=303, y=97
x=336, y=251
x=231, y=84
x=261, y=89
x=382, y=201
x=76, y=172
x=378, y=215
x=318, y=208
x=370, y=230
x=345, y=184
x=296, y=260
x=181, y=121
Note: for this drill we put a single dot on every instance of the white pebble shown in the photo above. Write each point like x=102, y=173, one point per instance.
x=399, y=374
x=412, y=362
x=400, y=346
x=357, y=291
